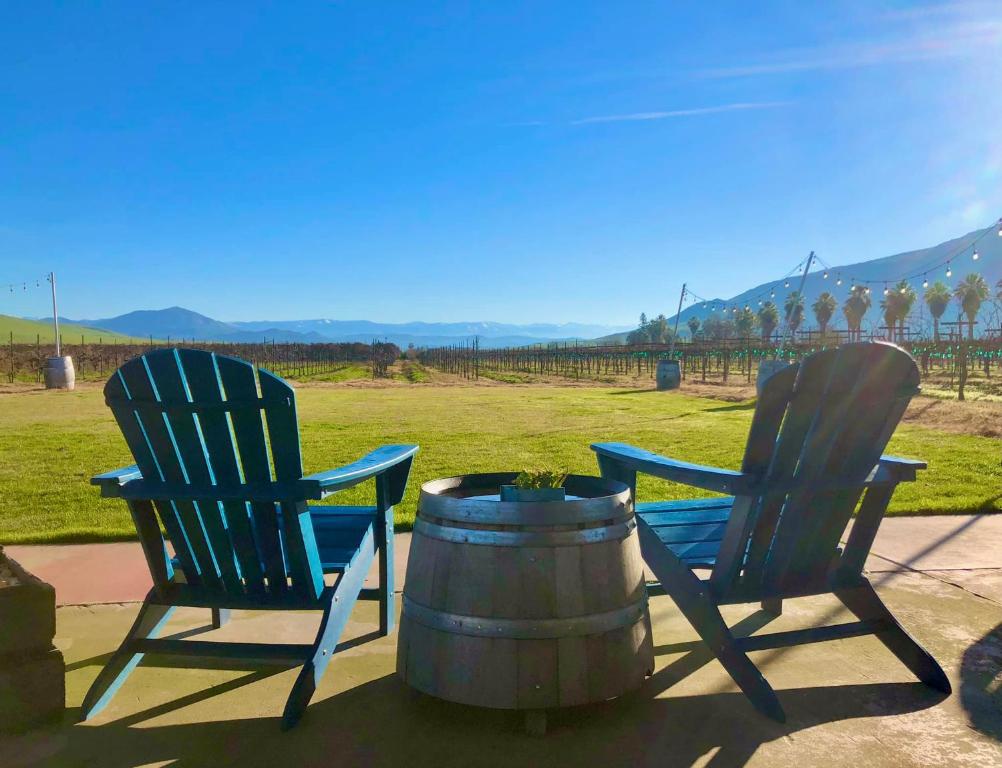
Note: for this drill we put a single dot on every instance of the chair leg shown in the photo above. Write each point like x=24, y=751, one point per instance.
x=693, y=599
x=773, y=605
x=219, y=617
x=346, y=591
x=384, y=542
x=148, y=624
x=866, y=604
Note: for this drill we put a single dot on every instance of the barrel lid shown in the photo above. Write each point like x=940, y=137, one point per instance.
x=474, y=499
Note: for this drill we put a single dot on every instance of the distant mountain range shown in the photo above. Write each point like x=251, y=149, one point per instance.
x=913, y=264
x=181, y=323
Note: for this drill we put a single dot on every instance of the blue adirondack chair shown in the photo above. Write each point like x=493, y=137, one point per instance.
x=813, y=454
x=216, y=445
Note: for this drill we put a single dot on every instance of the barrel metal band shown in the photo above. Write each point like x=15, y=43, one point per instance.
x=524, y=629
x=489, y=512
x=525, y=538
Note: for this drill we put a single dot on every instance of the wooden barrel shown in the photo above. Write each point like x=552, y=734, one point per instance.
x=521, y=605
x=59, y=373
x=668, y=374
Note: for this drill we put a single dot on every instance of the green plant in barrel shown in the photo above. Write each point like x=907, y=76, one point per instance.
x=537, y=479
x=970, y=293
x=536, y=485
x=937, y=298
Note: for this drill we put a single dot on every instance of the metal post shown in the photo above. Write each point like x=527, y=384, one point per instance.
x=55, y=313
x=800, y=292
x=681, y=298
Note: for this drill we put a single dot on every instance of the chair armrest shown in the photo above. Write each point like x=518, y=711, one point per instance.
x=111, y=482
x=378, y=462
x=904, y=470
x=709, y=478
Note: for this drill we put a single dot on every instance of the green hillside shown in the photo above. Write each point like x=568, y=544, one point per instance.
x=27, y=331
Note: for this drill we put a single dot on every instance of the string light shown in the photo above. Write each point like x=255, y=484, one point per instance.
x=838, y=280
x=886, y=291
x=925, y=281
x=949, y=272
x=975, y=256
x=786, y=284
x=904, y=289
x=824, y=276
x=868, y=289
x=1000, y=227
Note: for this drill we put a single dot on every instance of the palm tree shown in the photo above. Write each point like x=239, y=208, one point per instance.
x=890, y=306
x=901, y=300
x=794, y=309
x=768, y=319
x=693, y=323
x=855, y=309
x=970, y=292
x=823, y=310
x=937, y=298
x=744, y=321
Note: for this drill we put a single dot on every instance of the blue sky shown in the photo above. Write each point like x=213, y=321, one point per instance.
x=537, y=161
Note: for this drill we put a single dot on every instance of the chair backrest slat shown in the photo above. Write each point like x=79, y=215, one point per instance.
x=234, y=547
x=302, y=560
x=240, y=382
x=205, y=531
x=228, y=527
x=839, y=415
x=154, y=433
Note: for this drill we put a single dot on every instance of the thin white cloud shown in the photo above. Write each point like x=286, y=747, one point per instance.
x=962, y=39
x=641, y=116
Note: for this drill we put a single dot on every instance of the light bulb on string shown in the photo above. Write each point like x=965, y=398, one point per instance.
x=838, y=280
x=949, y=272
x=772, y=294
x=886, y=291
x=904, y=289
x=925, y=281
x=975, y=256
x=824, y=276
x=786, y=284
x=1000, y=227
x=867, y=289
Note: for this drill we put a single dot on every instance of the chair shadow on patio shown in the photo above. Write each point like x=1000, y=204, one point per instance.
x=980, y=694
x=382, y=722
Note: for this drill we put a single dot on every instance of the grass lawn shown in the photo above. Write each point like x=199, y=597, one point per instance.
x=52, y=442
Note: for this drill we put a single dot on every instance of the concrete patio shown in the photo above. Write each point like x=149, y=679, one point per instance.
x=849, y=702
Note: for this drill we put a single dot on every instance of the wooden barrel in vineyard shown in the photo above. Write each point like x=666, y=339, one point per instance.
x=524, y=605
x=669, y=374
x=59, y=373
